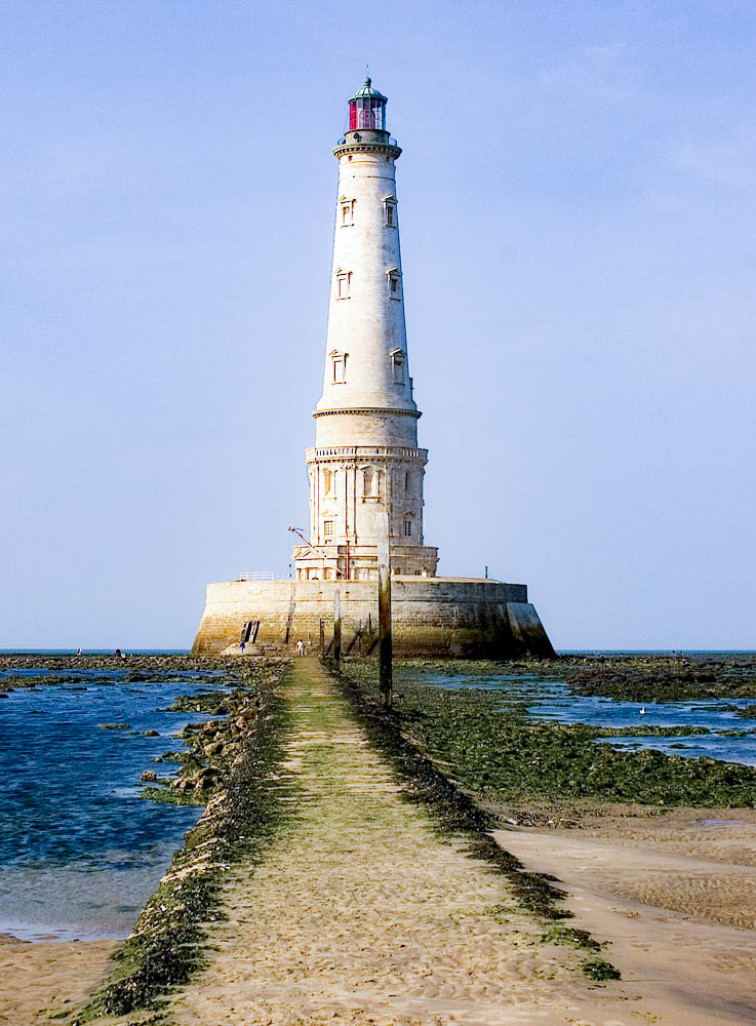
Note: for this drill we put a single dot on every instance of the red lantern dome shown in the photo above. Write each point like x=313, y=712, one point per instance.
x=367, y=109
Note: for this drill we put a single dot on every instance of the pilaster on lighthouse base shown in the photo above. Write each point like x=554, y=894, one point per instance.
x=435, y=617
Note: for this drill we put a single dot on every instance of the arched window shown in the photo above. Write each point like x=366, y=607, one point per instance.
x=371, y=483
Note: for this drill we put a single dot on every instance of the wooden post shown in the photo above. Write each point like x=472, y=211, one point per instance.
x=322, y=639
x=337, y=625
x=385, y=643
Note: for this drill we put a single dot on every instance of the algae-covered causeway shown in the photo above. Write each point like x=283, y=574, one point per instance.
x=485, y=740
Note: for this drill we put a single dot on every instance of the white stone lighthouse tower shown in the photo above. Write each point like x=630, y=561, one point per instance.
x=366, y=460
x=366, y=463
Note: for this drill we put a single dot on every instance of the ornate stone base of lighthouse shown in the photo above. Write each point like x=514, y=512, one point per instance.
x=436, y=617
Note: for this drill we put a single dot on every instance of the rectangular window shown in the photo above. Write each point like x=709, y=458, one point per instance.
x=339, y=369
x=397, y=365
x=407, y=528
x=343, y=279
x=328, y=528
x=394, y=281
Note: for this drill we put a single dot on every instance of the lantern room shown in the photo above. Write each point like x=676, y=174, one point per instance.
x=367, y=109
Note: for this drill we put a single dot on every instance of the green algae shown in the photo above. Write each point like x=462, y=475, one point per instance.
x=642, y=731
x=599, y=970
x=162, y=791
x=203, y=701
x=571, y=937
x=662, y=678
x=495, y=751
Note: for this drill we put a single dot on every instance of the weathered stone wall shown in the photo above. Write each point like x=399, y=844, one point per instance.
x=436, y=617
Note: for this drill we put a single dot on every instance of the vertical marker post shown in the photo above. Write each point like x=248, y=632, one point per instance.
x=322, y=639
x=337, y=625
x=385, y=642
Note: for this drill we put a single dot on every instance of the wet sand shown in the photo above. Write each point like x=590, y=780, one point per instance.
x=362, y=914
x=50, y=976
x=675, y=894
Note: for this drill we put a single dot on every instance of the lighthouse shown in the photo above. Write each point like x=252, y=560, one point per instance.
x=366, y=461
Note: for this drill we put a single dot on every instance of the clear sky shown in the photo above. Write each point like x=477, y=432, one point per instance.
x=578, y=214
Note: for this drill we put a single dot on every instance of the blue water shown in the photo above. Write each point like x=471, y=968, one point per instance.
x=80, y=852
x=550, y=698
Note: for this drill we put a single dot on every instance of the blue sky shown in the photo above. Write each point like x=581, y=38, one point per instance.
x=577, y=195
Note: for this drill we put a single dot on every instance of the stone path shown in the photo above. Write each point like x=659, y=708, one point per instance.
x=361, y=914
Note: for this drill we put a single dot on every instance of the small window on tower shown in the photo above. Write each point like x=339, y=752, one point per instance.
x=407, y=480
x=394, y=279
x=397, y=366
x=338, y=367
x=328, y=528
x=407, y=528
x=343, y=280
x=347, y=213
x=389, y=206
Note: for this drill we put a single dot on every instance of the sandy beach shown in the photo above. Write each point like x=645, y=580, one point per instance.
x=47, y=977
x=674, y=893
x=362, y=913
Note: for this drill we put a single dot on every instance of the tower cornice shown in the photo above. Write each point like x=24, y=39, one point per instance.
x=362, y=147
x=352, y=453
x=369, y=411
x=367, y=140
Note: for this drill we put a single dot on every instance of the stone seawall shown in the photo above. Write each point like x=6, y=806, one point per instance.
x=432, y=617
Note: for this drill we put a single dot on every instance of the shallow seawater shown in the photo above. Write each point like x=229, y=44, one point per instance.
x=550, y=698
x=80, y=852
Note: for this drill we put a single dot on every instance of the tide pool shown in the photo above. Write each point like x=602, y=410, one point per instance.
x=80, y=852
x=548, y=697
